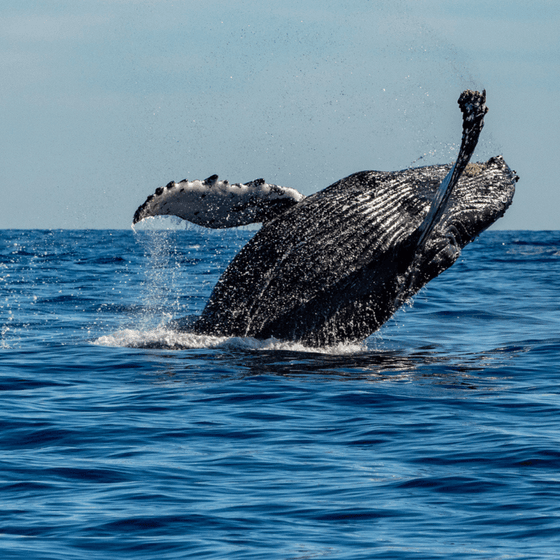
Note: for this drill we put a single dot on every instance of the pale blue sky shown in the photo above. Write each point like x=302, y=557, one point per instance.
x=102, y=101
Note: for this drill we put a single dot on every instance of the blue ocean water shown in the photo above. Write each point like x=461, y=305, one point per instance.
x=436, y=438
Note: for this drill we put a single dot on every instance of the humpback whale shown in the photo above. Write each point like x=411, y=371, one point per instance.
x=334, y=266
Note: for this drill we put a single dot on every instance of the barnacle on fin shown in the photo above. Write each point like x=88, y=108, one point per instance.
x=210, y=180
x=473, y=169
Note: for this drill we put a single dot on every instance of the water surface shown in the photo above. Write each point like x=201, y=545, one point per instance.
x=436, y=438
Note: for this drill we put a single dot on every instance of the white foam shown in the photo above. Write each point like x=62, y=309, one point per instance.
x=164, y=338
x=160, y=337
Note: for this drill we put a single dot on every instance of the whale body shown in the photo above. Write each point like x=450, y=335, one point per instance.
x=335, y=266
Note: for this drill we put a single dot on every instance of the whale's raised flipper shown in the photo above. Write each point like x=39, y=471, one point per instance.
x=218, y=204
x=473, y=107
x=472, y=104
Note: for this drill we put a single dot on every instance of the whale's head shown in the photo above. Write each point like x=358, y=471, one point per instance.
x=482, y=196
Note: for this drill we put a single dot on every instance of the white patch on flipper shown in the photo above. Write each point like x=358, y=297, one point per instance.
x=218, y=204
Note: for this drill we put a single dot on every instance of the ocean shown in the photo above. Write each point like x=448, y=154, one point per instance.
x=435, y=438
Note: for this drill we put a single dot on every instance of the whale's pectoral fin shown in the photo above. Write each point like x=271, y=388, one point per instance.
x=416, y=249
x=218, y=204
x=472, y=104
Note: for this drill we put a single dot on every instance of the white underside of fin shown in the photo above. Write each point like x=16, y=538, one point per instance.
x=218, y=204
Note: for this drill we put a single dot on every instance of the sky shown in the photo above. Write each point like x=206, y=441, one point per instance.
x=103, y=101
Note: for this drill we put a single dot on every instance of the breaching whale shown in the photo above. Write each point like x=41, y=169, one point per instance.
x=334, y=266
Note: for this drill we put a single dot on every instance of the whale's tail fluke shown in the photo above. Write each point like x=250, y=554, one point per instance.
x=218, y=204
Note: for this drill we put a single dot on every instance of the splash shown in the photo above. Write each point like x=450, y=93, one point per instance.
x=160, y=299
x=158, y=223
x=168, y=339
